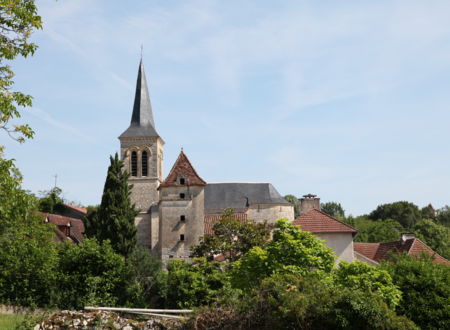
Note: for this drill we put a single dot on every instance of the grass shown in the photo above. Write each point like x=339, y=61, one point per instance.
x=10, y=321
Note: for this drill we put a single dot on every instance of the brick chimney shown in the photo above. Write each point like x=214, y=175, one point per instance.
x=309, y=202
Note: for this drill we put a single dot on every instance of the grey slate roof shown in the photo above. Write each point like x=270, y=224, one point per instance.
x=142, y=124
x=234, y=195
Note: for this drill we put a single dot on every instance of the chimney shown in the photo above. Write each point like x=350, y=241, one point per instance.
x=308, y=203
x=406, y=236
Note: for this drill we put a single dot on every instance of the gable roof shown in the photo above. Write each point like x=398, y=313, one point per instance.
x=142, y=123
x=240, y=195
x=316, y=221
x=412, y=246
x=182, y=168
x=76, y=226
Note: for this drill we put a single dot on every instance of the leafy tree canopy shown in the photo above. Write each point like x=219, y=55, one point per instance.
x=18, y=19
x=443, y=216
x=333, y=209
x=232, y=238
x=405, y=213
x=294, y=201
x=291, y=251
x=426, y=290
x=376, y=231
x=52, y=201
x=436, y=236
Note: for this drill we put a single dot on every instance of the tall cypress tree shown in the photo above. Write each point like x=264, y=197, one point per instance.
x=114, y=219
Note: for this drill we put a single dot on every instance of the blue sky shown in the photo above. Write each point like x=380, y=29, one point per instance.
x=345, y=99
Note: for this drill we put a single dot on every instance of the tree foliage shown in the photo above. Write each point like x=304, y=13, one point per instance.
x=443, y=216
x=426, y=290
x=27, y=252
x=405, y=213
x=52, y=201
x=436, y=236
x=376, y=231
x=18, y=19
x=114, y=218
x=232, y=238
x=294, y=201
x=333, y=209
x=290, y=251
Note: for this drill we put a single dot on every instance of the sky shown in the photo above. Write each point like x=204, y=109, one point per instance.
x=348, y=100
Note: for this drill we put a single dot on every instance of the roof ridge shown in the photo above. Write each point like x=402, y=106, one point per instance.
x=182, y=158
x=329, y=216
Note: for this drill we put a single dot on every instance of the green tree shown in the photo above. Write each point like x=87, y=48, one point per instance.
x=287, y=301
x=405, y=213
x=90, y=273
x=436, y=236
x=18, y=19
x=114, y=218
x=145, y=279
x=291, y=251
x=294, y=201
x=27, y=252
x=334, y=209
x=443, y=216
x=232, y=238
x=426, y=290
x=361, y=276
x=376, y=231
x=194, y=284
x=52, y=201
x=428, y=212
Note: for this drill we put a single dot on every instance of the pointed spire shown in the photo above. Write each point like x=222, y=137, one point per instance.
x=182, y=169
x=142, y=123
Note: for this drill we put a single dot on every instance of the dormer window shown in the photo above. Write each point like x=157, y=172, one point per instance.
x=134, y=163
x=182, y=181
x=182, y=195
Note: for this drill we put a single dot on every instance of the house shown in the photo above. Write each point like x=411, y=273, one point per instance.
x=337, y=235
x=407, y=243
x=67, y=229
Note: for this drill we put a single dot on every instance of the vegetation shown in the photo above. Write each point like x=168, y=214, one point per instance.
x=334, y=209
x=10, y=321
x=52, y=202
x=232, y=238
x=18, y=19
x=114, y=218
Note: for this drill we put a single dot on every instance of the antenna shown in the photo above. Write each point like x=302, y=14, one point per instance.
x=142, y=50
x=56, y=179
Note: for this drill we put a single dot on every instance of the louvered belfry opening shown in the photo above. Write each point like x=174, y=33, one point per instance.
x=134, y=163
x=144, y=163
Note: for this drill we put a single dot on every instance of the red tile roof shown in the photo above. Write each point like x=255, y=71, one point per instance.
x=76, y=226
x=211, y=219
x=77, y=208
x=412, y=246
x=182, y=169
x=316, y=221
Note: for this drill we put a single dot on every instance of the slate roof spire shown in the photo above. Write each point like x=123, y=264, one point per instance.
x=142, y=124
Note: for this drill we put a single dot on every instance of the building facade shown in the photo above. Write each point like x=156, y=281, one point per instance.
x=172, y=211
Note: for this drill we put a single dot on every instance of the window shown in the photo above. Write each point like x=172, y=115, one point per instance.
x=182, y=218
x=144, y=163
x=182, y=181
x=134, y=163
x=182, y=195
x=182, y=237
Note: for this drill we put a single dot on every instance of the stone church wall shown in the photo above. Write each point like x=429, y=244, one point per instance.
x=270, y=212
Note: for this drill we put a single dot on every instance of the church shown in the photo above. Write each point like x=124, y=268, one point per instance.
x=176, y=211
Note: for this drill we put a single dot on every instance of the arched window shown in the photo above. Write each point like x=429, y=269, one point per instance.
x=144, y=163
x=134, y=163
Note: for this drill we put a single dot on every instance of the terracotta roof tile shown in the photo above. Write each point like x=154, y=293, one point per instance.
x=76, y=225
x=316, y=221
x=182, y=169
x=412, y=246
x=211, y=219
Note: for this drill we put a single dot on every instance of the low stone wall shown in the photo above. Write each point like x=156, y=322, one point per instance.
x=102, y=320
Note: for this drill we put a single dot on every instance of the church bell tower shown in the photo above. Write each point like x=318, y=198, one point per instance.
x=141, y=149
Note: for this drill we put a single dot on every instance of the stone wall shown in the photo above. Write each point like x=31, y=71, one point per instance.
x=270, y=212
